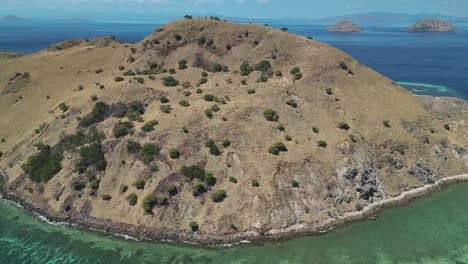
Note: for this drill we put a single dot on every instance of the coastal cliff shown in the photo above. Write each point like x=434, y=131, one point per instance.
x=211, y=131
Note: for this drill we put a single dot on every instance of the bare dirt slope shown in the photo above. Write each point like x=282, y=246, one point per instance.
x=353, y=137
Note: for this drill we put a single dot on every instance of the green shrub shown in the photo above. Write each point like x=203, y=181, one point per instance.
x=165, y=109
x=276, y=148
x=187, y=93
x=232, y=179
x=292, y=103
x=255, y=183
x=133, y=147
x=118, y=79
x=132, y=199
x=295, y=70
x=149, y=126
x=294, y=183
x=251, y=91
x=169, y=81
x=182, y=64
x=133, y=50
x=99, y=113
x=149, y=202
x=447, y=126
x=288, y=137
x=78, y=185
x=329, y=91
x=216, y=67
x=218, y=196
x=228, y=47
x=193, y=226
x=322, y=144
x=122, y=129
x=343, y=65
x=163, y=100
x=98, y=71
x=151, y=77
x=172, y=71
x=209, y=97
x=278, y=74
x=226, y=143
x=121, y=68
x=202, y=80
x=139, y=184
x=94, y=184
x=271, y=115
x=193, y=172
x=42, y=166
x=298, y=76
x=171, y=189
x=209, y=113
x=343, y=125
x=201, y=40
x=184, y=103
x=199, y=91
x=386, y=124
x=214, y=150
x=214, y=108
x=131, y=59
x=149, y=151
x=281, y=127
x=244, y=81
x=204, y=74
x=263, y=78
x=129, y=73
x=91, y=155
x=263, y=66
x=140, y=80
x=174, y=154
x=64, y=107
x=188, y=17
x=106, y=197
x=209, y=179
x=245, y=69
x=315, y=129
x=198, y=188
x=284, y=29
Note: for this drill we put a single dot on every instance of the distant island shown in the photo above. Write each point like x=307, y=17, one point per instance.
x=345, y=26
x=12, y=18
x=388, y=16
x=431, y=25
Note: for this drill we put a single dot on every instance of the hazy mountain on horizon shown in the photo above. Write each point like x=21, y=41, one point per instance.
x=12, y=18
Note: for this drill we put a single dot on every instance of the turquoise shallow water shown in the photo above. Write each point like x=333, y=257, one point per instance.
x=430, y=230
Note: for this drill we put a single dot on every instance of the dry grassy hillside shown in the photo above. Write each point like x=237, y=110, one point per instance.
x=180, y=127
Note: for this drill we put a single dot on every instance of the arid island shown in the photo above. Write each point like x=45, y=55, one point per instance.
x=344, y=26
x=212, y=132
x=431, y=25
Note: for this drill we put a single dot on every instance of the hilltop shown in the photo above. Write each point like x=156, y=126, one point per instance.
x=209, y=131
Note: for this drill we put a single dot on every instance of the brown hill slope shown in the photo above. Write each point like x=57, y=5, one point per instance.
x=352, y=136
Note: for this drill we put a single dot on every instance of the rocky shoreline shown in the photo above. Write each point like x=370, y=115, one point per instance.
x=223, y=240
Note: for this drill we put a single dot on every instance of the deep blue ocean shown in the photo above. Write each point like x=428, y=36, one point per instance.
x=426, y=63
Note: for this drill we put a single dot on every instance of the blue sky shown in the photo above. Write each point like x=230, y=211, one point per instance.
x=147, y=9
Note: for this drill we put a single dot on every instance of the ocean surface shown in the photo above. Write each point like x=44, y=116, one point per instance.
x=430, y=230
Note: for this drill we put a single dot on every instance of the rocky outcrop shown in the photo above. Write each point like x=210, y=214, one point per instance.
x=345, y=26
x=431, y=25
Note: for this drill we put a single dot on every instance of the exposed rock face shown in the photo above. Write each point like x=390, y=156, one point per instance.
x=345, y=26
x=431, y=25
x=364, y=141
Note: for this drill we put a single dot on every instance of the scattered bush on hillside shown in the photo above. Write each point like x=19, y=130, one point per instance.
x=296, y=72
x=294, y=183
x=118, y=79
x=99, y=113
x=42, y=166
x=284, y=29
x=193, y=226
x=133, y=147
x=122, y=129
x=148, y=152
x=184, y=103
x=315, y=129
x=447, y=126
x=218, y=196
x=139, y=184
x=132, y=199
x=106, y=197
x=149, y=126
x=193, y=172
x=198, y=188
x=251, y=91
x=386, y=124
x=322, y=144
x=209, y=113
x=174, y=154
x=163, y=100
x=329, y=91
x=169, y=81
x=276, y=148
x=245, y=69
x=271, y=115
x=343, y=65
x=165, y=109
x=78, y=185
x=149, y=202
x=64, y=107
x=91, y=155
x=255, y=183
x=232, y=179
x=226, y=143
x=182, y=64
x=343, y=125
x=214, y=150
x=292, y=103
